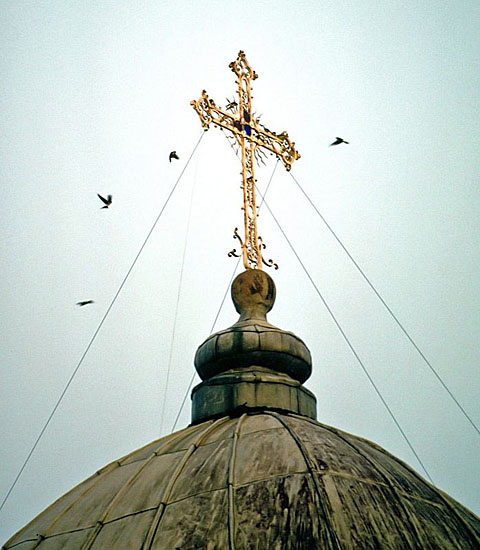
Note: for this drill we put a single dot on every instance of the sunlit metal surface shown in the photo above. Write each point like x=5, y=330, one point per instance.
x=252, y=137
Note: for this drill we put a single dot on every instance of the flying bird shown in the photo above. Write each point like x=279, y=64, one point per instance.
x=173, y=155
x=85, y=303
x=107, y=201
x=337, y=141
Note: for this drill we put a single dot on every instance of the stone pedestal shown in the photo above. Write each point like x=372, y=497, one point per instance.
x=239, y=390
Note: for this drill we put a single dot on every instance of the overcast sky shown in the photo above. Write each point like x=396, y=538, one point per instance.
x=95, y=95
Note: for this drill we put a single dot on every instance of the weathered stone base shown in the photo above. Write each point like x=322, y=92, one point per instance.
x=236, y=391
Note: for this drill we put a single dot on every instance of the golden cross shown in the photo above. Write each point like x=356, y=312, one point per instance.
x=250, y=135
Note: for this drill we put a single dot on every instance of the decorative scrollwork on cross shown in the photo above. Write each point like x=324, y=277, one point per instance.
x=252, y=138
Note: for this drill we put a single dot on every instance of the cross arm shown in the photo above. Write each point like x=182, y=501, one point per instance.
x=209, y=113
x=278, y=144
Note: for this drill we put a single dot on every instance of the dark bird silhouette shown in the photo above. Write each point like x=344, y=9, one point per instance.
x=337, y=141
x=85, y=303
x=107, y=201
x=232, y=105
x=173, y=155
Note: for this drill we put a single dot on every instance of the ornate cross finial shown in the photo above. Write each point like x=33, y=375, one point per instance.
x=251, y=136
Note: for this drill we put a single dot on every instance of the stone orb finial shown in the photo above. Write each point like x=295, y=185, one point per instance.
x=252, y=342
x=253, y=293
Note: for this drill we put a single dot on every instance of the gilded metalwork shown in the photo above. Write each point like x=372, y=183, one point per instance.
x=233, y=252
x=252, y=138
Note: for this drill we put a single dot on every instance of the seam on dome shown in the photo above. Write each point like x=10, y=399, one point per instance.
x=150, y=536
x=97, y=477
x=253, y=482
x=18, y=543
x=277, y=476
x=474, y=538
x=390, y=483
x=78, y=530
x=260, y=429
x=101, y=521
x=138, y=512
x=471, y=533
x=367, y=481
x=445, y=500
x=331, y=534
x=68, y=531
x=179, y=450
x=410, y=496
x=216, y=441
x=405, y=494
x=46, y=532
x=342, y=433
x=150, y=456
x=231, y=485
x=206, y=492
x=346, y=475
x=239, y=486
x=153, y=444
x=123, y=460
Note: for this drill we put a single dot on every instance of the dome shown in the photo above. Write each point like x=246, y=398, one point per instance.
x=262, y=480
x=254, y=470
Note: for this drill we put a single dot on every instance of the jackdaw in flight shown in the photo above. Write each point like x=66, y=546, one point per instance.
x=337, y=141
x=85, y=303
x=107, y=201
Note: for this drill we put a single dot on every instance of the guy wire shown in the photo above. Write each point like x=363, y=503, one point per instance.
x=114, y=299
x=395, y=318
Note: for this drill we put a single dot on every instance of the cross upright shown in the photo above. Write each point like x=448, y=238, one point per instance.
x=250, y=135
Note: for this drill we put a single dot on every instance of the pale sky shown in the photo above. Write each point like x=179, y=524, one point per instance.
x=95, y=95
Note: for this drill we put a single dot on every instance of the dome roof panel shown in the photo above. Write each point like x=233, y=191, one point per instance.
x=438, y=526
x=125, y=533
x=468, y=519
x=398, y=473
x=282, y=512
x=184, y=439
x=284, y=456
x=330, y=453
x=293, y=485
x=224, y=431
x=27, y=545
x=206, y=470
x=142, y=453
x=93, y=502
x=55, y=510
x=197, y=522
x=146, y=485
x=367, y=511
x=259, y=423
x=75, y=539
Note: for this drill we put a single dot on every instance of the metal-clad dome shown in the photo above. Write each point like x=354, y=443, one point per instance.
x=259, y=481
x=255, y=470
